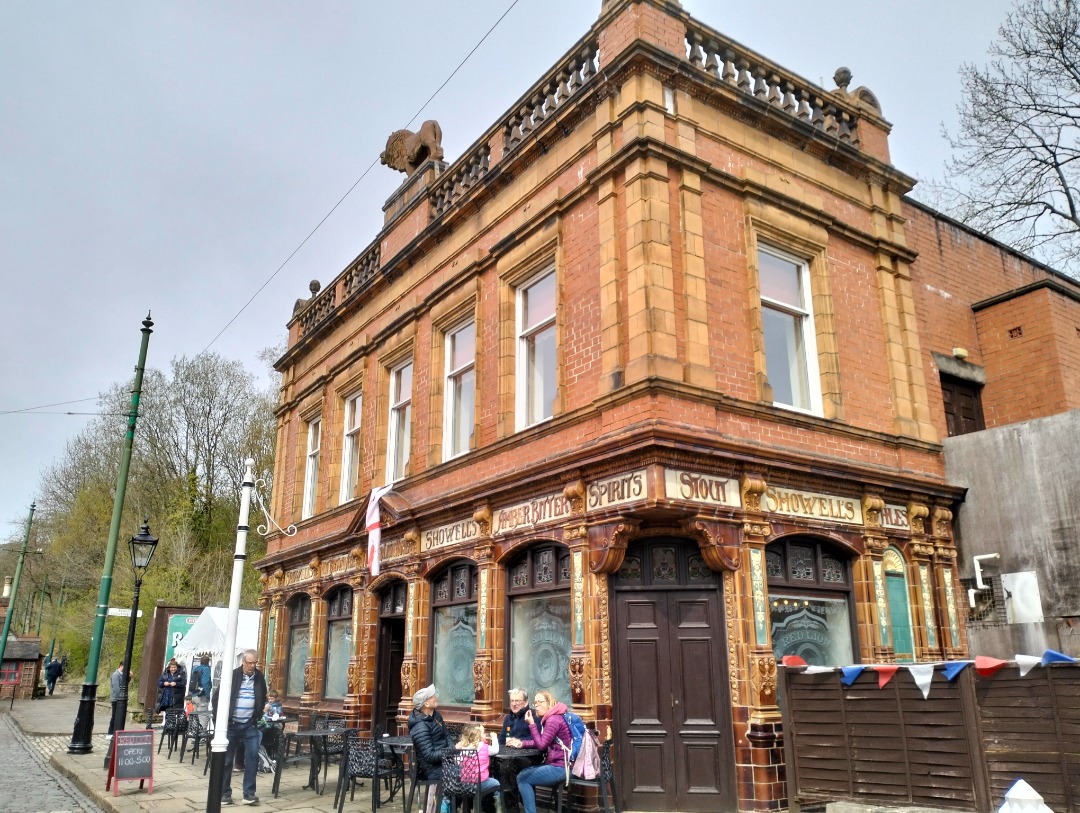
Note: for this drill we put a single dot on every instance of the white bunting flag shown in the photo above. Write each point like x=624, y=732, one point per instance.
x=1027, y=663
x=374, y=531
x=922, y=674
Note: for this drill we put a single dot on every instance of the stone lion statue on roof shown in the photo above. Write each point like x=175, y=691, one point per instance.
x=406, y=151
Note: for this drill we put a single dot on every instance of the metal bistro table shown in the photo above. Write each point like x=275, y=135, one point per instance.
x=508, y=763
x=395, y=749
x=318, y=753
x=280, y=751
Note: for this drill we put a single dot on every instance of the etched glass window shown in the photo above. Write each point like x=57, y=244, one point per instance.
x=802, y=562
x=664, y=565
x=540, y=645
x=299, y=618
x=817, y=629
x=832, y=570
x=338, y=643
x=774, y=564
x=454, y=634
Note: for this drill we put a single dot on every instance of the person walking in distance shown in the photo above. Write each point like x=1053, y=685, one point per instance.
x=245, y=708
x=116, y=687
x=53, y=673
x=200, y=685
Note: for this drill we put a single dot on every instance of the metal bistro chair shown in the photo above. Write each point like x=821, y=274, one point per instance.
x=200, y=730
x=360, y=761
x=175, y=724
x=391, y=766
x=415, y=781
x=330, y=748
x=461, y=780
x=604, y=782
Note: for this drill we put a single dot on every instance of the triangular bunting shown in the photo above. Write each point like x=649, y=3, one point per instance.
x=885, y=673
x=849, y=674
x=1050, y=656
x=815, y=670
x=954, y=668
x=923, y=675
x=792, y=660
x=1027, y=663
x=986, y=666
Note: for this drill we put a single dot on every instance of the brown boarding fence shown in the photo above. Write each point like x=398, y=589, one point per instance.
x=962, y=747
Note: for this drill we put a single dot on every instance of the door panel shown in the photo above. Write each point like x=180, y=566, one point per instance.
x=672, y=704
x=390, y=655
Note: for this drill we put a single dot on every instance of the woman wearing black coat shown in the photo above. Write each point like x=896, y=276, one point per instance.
x=171, y=687
x=429, y=734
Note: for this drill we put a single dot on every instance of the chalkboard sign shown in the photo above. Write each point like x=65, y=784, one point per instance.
x=132, y=758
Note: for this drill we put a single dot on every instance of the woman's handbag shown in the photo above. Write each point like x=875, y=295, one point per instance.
x=587, y=764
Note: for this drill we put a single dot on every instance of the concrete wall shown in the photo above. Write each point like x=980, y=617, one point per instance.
x=1022, y=483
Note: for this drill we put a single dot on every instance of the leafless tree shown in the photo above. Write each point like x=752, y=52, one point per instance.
x=1016, y=170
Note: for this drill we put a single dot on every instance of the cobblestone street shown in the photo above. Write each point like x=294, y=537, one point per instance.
x=28, y=783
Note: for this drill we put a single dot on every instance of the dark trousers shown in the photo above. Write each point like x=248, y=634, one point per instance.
x=50, y=682
x=249, y=735
x=112, y=717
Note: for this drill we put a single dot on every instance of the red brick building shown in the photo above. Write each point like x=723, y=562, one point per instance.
x=658, y=369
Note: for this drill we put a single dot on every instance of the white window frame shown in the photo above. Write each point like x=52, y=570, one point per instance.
x=804, y=316
x=311, y=467
x=451, y=406
x=350, y=448
x=393, y=439
x=522, y=382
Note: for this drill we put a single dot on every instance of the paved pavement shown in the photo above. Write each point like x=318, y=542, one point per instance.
x=44, y=727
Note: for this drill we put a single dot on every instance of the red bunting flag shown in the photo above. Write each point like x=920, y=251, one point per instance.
x=885, y=674
x=792, y=660
x=987, y=666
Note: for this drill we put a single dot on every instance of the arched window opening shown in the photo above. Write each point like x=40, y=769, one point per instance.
x=299, y=618
x=338, y=642
x=454, y=633
x=538, y=646
x=896, y=587
x=810, y=601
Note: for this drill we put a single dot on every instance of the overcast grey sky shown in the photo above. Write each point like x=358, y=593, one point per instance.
x=170, y=156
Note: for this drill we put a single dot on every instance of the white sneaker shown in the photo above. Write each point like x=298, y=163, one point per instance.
x=108, y=736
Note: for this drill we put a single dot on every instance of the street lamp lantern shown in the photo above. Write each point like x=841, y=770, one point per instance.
x=143, y=545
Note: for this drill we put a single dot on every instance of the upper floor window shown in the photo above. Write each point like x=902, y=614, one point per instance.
x=963, y=405
x=311, y=470
x=350, y=450
x=536, y=380
x=459, y=401
x=787, y=321
x=398, y=440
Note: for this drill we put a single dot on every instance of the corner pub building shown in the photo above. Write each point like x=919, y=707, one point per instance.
x=653, y=370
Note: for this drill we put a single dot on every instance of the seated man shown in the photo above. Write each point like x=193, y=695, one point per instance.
x=429, y=734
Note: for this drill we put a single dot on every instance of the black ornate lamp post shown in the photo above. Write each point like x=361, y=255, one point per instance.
x=142, y=547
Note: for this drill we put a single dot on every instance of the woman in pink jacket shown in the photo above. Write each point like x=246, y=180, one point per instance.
x=553, y=738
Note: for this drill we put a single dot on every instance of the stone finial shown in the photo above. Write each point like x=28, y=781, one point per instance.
x=842, y=77
x=314, y=287
x=407, y=151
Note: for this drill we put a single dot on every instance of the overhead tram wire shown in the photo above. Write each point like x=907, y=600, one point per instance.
x=46, y=406
x=363, y=175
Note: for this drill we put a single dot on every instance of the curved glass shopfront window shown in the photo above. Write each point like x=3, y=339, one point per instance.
x=538, y=646
x=338, y=642
x=454, y=634
x=299, y=618
x=810, y=602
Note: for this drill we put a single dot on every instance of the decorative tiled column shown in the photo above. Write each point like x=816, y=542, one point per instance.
x=759, y=733
x=928, y=629
x=486, y=703
x=872, y=598
x=316, y=659
x=414, y=669
x=365, y=613
x=947, y=582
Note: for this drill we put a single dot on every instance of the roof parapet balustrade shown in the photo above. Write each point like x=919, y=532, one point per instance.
x=318, y=309
x=550, y=93
x=361, y=272
x=726, y=61
x=464, y=177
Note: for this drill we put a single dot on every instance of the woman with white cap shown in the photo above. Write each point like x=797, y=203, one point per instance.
x=429, y=733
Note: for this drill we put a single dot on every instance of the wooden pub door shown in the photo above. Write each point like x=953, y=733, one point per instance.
x=389, y=655
x=672, y=710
